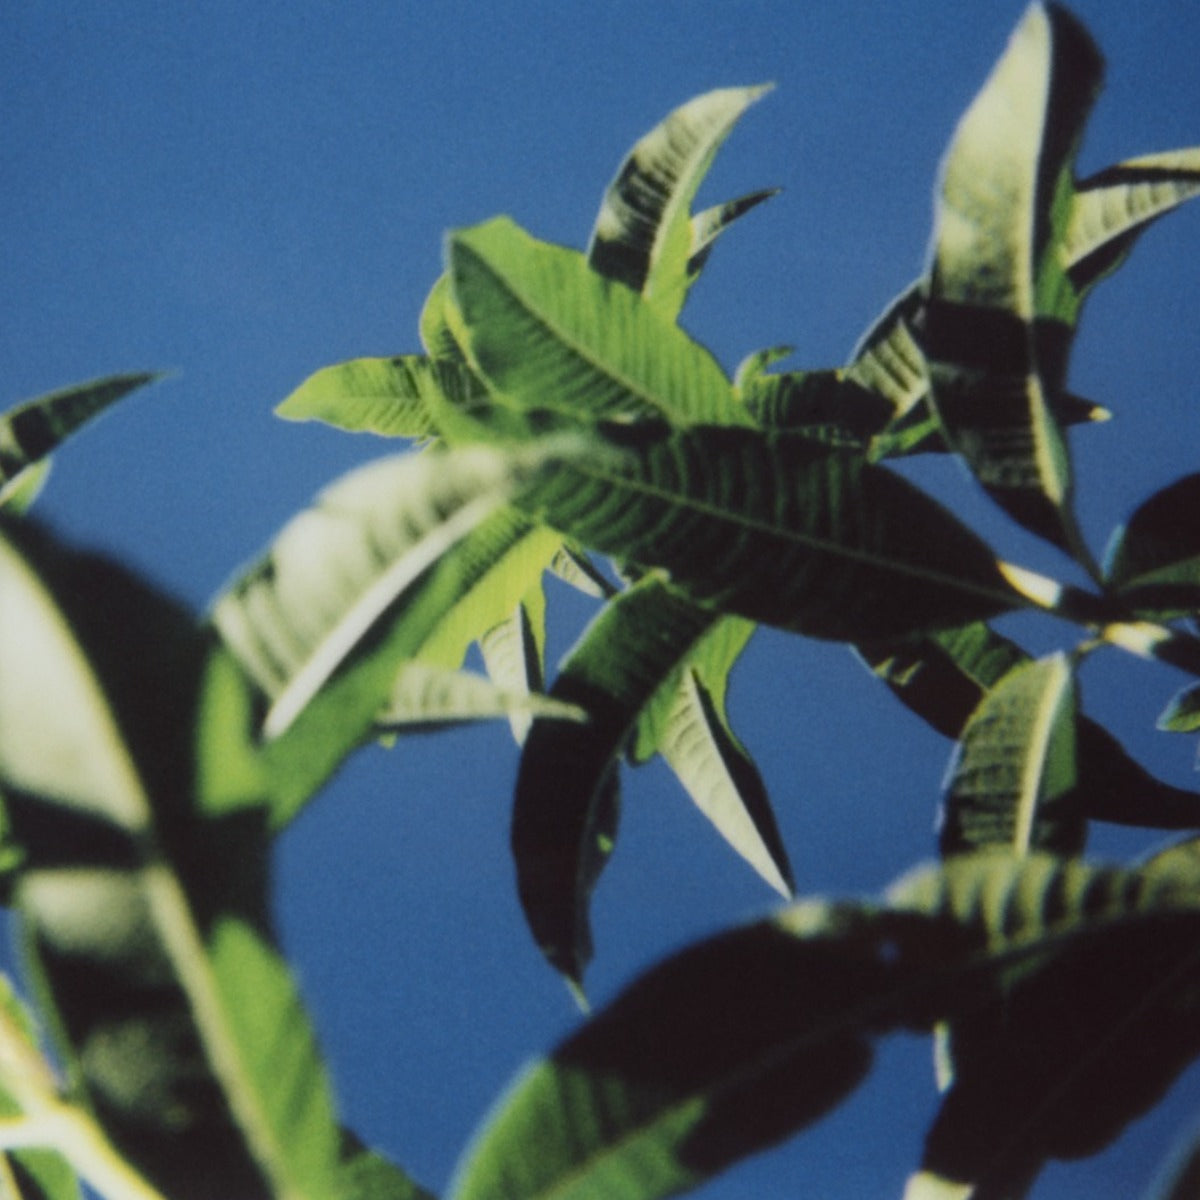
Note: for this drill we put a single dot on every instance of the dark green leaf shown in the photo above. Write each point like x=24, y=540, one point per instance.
x=645, y=236
x=1182, y=715
x=564, y=815
x=29, y=432
x=777, y=529
x=741, y=1041
x=1153, y=562
x=943, y=677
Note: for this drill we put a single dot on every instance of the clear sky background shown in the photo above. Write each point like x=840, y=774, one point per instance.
x=247, y=192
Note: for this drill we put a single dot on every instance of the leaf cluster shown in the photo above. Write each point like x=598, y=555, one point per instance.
x=559, y=420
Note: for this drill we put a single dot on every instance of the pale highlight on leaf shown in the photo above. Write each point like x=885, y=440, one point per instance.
x=645, y=236
x=996, y=343
x=427, y=696
x=336, y=569
x=1015, y=765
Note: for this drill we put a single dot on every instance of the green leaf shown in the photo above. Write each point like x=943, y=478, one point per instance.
x=1013, y=780
x=645, y=236
x=28, y=1097
x=1110, y=210
x=429, y=697
x=708, y=225
x=29, y=432
x=740, y=1041
x=1182, y=715
x=411, y=555
x=386, y=396
x=434, y=326
x=777, y=529
x=367, y=1175
x=997, y=333
x=1153, y=562
x=1059, y=1053
x=564, y=813
x=548, y=334
x=146, y=918
x=943, y=677
x=514, y=653
x=826, y=406
x=685, y=721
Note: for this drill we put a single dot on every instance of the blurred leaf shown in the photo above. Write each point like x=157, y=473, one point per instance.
x=1065, y=1051
x=367, y=1175
x=1111, y=209
x=429, y=697
x=564, y=814
x=1013, y=779
x=514, y=653
x=576, y=568
x=386, y=396
x=1153, y=562
x=549, y=334
x=741, y=1041
x=685, y=721
x=145, y=919
x=27, y=1087
x=18, y=495
x=410, y=555
x=1182, y=715
x=777, y=529
x=996, y=333
x=29, y=432
x=645, y=236
x=436, y=335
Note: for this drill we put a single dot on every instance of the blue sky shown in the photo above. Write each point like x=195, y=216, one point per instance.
x=244, y=193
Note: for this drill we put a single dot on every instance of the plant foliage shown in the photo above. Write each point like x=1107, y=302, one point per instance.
x=558, y=412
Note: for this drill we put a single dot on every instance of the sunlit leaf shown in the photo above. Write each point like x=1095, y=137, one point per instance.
x=386, y=396
x=410, y=555
x=547, y=333
x=1113, y=207
x=514, y=653
x=777, y=529
x=685, y=721
x=429, y=697
x=645, y=236
x=994, y=336
x=29, y=432
x=1153, y=563
x=145, y=917
x=1014, y=775
x=747, y=1038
